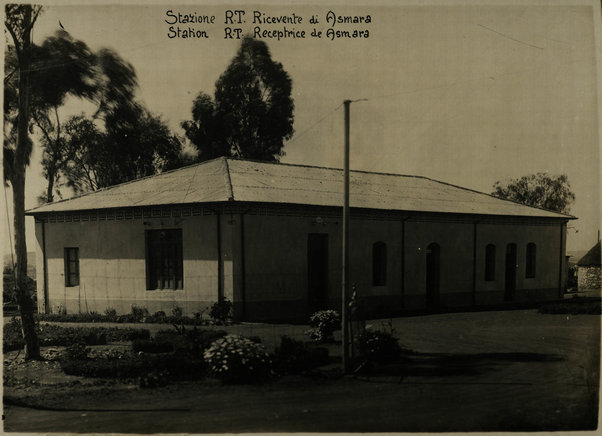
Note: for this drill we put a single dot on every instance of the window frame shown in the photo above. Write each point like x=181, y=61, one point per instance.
x=379, y=264
x=71, y=265
x=166, y=251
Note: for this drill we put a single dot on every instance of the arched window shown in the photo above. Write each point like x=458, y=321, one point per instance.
x=531, y=260
x=490, y=263
x=379, y=264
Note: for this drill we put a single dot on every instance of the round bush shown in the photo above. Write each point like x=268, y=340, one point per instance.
x=379, y=346
x=323, y=325
x=235, y=359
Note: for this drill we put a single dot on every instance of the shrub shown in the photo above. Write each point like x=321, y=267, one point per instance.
x=193, y=340
x=293, y=357
x=56, y=335
x=323, y=325
x=178, y=341
x=234, y=359
x=204, y=338
x=103, y=368
x=159, y=316
x=154, y=379
x=9, y=294
x=111, y=354
x=116, y=334
x=49, y=335
x=77, y=351
x=379, y=346
x=73, y=317
x=110, y=314
x=152, y=346
x=221, y=311
x=139, y=313
x=134, y=366
x=177, y=311
x=12, y=338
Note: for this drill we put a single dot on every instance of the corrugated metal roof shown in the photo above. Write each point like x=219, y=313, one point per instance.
x=227, y=179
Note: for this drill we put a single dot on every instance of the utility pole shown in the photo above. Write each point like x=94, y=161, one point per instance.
x=345, y=263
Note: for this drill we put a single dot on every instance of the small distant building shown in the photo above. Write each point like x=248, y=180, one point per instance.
x=588, y=271
x=268, y=237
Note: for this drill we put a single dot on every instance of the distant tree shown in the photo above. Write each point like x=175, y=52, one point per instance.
x=19, y=22
x=9, y=286
x=251, y=113
x=539, y=190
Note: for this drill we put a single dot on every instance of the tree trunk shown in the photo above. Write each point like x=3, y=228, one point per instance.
x=32, y=346
x=26, y=308
x=51, y=172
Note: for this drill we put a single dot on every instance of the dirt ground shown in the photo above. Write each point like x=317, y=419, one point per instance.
x=481, y=371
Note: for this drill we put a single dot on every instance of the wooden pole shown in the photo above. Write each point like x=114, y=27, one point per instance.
x=345, y=261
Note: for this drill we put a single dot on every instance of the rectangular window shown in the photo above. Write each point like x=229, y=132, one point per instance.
x=164, y=264
x=71, y=266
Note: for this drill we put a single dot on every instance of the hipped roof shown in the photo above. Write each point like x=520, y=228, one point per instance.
x=237, y=180
x=592, y=257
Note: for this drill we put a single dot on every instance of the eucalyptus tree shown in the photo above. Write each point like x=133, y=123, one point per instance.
x=19, y=22
x=251, y=113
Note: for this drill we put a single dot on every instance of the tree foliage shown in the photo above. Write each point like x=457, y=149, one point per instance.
x=134, y=143
x=63, y=67
x=251, y=113
x=539, y=190
x=122, y=148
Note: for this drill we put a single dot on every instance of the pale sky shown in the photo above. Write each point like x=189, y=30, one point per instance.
x=465, y=94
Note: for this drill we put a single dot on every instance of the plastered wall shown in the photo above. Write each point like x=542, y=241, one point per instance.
x=112, y=265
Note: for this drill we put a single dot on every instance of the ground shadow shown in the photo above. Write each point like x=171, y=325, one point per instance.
x=450, y=365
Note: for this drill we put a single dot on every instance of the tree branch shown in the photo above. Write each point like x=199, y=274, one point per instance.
x=15, y=40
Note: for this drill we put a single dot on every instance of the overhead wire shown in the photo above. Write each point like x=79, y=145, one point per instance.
x=314, y=124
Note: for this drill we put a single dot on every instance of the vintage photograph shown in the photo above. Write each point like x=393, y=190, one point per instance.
x=291, y=216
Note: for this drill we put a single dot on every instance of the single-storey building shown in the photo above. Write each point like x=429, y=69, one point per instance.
x=268, y=237
x=588, y=270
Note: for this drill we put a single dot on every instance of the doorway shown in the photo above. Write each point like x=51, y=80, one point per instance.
x=510, y=276
x=432, y=275
x=317, y=271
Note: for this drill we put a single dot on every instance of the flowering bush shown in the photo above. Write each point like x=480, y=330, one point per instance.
x=379, y=346
x=323, y=324
x=234, y=359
